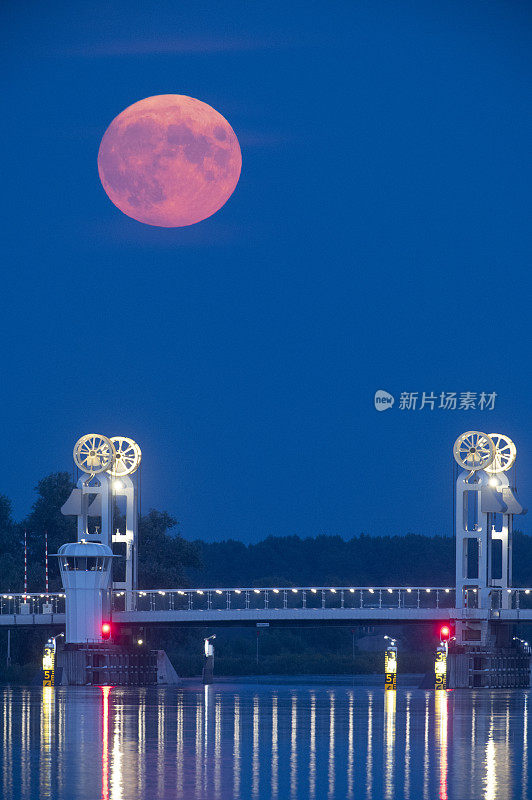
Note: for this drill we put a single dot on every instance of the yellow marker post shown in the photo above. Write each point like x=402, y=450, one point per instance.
x=48, y=663
x=390, y=668
x=440, y=668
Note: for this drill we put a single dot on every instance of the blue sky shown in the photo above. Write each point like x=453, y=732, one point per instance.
x=379, y=237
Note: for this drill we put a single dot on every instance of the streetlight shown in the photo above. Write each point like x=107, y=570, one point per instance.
x=208, y=664
x=209, y=648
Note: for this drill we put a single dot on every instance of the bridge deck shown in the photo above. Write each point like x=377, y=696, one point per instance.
x=282, y=616
x=289, y=605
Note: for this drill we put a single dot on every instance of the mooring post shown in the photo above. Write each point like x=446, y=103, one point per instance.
x=48, y=663
x=390, y=665
x=440, y=667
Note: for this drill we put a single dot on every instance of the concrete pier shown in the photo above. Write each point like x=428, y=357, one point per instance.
x=114, y=665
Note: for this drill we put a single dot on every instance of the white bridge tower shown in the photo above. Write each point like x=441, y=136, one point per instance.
x=108, y=466
x=485, y=508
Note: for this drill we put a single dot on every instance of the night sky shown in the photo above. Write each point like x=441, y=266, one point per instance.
x=379, y=238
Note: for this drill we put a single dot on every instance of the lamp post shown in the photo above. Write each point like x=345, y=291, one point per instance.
x=208, y=662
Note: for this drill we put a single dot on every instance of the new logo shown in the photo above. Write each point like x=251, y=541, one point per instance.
x=383, y=400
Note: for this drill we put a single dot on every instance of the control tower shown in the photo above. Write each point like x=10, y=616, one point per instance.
x=86, y=574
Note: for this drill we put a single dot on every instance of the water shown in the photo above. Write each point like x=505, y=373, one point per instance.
x=285, y=741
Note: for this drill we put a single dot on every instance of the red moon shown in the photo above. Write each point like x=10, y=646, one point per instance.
x=169, y=160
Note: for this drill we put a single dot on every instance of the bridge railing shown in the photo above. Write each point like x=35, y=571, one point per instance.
x=292, y=597
x=518, y=598
x=32, y=603
x=273, y=598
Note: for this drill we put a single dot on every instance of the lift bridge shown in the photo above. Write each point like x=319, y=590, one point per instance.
x=485, y=507
x=483, y=605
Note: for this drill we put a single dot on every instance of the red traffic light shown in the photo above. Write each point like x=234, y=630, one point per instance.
x=445, y=633
x=106, y=630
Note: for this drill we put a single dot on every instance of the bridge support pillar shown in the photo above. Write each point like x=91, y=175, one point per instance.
x=484, y=653
x=489, y=666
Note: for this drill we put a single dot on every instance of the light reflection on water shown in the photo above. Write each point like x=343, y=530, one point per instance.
x=105, y=742
x=275, y=750
x=312, y=748
x=441, y=699
x=390, y=705
x=255, y=763
x=332, y=726
x=293, y=750
x=262, y=741
x=407, y=746
x=369, y=753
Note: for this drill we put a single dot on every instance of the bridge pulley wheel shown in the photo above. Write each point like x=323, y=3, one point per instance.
x=94, y=453
x=505, y=453
x=474, y=450
x=128, y=456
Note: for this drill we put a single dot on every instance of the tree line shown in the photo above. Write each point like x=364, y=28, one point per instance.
x=164, y=555
x=167, y=559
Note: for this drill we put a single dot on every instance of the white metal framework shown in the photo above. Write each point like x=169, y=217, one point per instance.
x=127, y=456
x=108, y=466
x=474, y=450
x=94, y=453
x=485, y=507
x=505, y=453
x=126, y=487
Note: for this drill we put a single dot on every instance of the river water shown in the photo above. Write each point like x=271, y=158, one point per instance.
x=288, y=741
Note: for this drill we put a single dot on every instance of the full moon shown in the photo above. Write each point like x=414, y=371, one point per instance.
x=169, y=160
